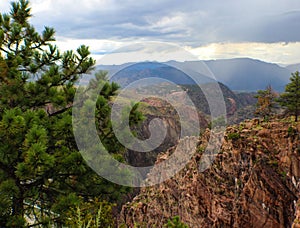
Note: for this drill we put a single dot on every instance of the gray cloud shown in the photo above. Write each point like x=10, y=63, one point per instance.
x=284, y=27
x=191, y=22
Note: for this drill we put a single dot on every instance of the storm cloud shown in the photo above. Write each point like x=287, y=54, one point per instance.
x=213, y=25
x=190, y=22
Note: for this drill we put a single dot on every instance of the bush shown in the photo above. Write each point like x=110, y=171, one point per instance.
x=233, y=136
x=91, y=214
x=175, y=223
x=291, y=131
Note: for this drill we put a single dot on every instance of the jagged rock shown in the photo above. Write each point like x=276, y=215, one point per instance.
x=253, y=182
x=162, y=110
x=232, y=107
x=263, y=133
x=296, y=223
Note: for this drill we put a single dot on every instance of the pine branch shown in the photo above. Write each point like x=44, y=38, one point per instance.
x=60, y=111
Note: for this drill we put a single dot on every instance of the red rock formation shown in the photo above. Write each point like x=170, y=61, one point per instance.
x=161, y=109
x=232, y=108
x=254, y=182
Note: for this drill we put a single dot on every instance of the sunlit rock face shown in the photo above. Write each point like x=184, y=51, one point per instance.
x=253, y=182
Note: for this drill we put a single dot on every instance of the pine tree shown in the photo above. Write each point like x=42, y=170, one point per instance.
x=291, y=97
x=42, y=173
x=265, y=102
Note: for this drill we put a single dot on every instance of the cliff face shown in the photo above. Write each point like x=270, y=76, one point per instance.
x=253, y=182
x=157, y=108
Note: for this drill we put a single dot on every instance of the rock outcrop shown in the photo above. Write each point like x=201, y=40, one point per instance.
x=253, y=182
x=232, y=107
x=157, y=108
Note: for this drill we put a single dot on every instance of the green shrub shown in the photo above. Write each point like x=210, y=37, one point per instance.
x=175, y=223
x=91, y=214
x=273, y=163
x=233, y=136
x=291, y=131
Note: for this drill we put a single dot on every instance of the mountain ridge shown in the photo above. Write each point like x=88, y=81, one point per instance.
x=240, y=74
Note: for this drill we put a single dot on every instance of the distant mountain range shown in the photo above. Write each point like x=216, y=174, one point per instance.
x=294, y=67
x=249, y=74
x=241, y=74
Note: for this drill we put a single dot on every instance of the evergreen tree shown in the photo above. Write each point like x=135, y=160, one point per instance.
x=42, y=174
x=265, y=102
x=291, y=97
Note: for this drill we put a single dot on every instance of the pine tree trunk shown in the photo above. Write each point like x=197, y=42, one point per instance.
x=18, y=205
x=18, y=209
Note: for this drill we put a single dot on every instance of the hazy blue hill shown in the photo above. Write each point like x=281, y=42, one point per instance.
x=246, y=74
x=144, y=70
x=294, y=67
x=241, y=74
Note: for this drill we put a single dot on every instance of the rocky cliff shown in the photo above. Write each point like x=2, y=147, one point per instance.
x=157, y=108
x=253, y=182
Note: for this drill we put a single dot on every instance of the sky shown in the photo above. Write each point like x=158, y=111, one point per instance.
x=268, y=30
